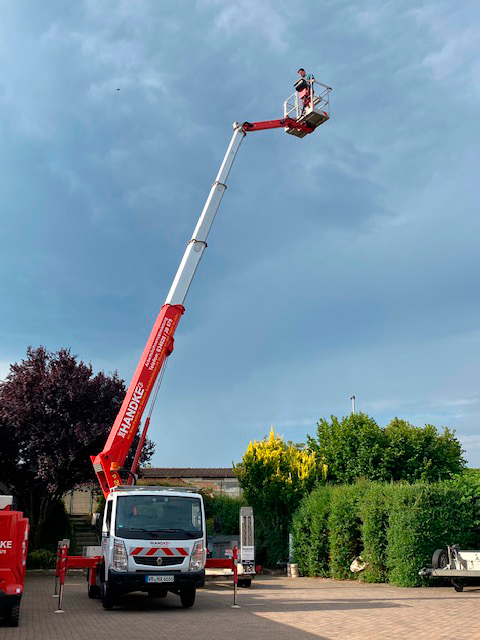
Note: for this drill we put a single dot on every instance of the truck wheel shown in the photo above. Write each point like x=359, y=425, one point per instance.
x=440, y=559
x=245, y=582
x=14, y=615
x=107, y=597
x=187, y=597
x=93, y=591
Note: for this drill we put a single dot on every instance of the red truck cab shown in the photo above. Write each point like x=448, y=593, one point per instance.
x=14, y=530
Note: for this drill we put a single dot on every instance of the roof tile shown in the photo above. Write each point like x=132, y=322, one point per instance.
x=187, y=472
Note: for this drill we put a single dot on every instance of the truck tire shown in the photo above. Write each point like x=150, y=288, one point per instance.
x=93, y=591
x=245, y=583
x=187, y=597
x=107, y=597
x=13, y=615
x=440, y=559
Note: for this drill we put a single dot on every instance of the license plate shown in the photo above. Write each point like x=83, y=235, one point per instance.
x=151, y=579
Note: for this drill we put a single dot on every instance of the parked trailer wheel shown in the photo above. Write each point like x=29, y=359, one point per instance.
x=245, y=583
x=440, y=559
x=187, y=597
x=458, y=586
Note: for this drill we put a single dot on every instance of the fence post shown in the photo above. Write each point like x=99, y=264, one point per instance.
x=62, y=571
x=57, y=569
x=235, y=578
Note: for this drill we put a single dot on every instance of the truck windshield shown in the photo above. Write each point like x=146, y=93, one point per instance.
x=158, y=516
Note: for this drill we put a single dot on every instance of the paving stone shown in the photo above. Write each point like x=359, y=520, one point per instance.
x=272, y=609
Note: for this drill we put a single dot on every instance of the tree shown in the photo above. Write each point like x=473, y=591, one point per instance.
x=421, y=453
x=357, y=447
x=350, y=448
x=274, y=476
x=54, y=414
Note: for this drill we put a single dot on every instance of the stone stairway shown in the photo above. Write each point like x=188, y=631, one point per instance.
x=83, y=532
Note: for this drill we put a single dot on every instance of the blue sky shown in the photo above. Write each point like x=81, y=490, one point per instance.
x=344, y=263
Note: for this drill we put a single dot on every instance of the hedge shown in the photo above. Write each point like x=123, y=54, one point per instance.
x=344, y=527
x=310, y=533
x=422, y=518
x=373, y=514
x=394, y=527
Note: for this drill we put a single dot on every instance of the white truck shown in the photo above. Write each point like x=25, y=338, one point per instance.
x=153, y=540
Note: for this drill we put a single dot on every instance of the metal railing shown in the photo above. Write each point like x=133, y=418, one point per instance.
x=318, y=101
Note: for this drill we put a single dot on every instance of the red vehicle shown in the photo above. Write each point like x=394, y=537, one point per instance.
x=14, y=530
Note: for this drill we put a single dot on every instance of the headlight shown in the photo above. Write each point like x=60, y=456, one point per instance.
x=197, y=559
x=120, y=558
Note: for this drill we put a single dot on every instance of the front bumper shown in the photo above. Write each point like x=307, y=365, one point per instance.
x=125, y=582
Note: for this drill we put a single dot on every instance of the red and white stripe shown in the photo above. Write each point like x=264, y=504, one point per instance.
x=165, y=552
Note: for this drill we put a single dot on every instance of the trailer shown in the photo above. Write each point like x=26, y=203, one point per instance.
x=454, y=564
x=14, y=531
x=219, y=562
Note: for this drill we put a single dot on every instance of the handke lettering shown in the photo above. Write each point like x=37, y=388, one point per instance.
x=6, y=544
x=131, y=410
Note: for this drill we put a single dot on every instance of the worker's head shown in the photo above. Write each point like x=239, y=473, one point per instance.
x=302, y=72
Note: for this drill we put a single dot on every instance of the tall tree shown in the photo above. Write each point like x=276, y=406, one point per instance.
x=350, y=448
x=356, y=447
x=421, y=453
x=54, y=414
x=274, y=476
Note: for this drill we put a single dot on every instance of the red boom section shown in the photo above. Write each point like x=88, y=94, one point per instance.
x=158, y=347
x=278, y=124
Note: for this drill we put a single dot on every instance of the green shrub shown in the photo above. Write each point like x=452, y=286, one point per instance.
x=345, y=528
x=424, y=517
x=56, y=527
x=373, y=513
x=227, y=512
x=41, y=559
x=270, y=545
x=310, y=533
x=467, y=487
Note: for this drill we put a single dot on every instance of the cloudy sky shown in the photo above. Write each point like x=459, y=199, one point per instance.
x=344, y=263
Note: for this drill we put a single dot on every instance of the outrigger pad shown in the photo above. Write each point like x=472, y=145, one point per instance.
x=301, y=84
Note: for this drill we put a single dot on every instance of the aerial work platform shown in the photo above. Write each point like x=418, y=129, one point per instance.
x=313, y=110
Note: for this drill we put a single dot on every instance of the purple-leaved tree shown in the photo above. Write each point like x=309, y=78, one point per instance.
x=54, y=414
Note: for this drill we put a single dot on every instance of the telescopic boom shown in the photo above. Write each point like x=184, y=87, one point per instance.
x=110, y=461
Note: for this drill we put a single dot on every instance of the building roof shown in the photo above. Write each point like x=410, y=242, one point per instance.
x=179, y=472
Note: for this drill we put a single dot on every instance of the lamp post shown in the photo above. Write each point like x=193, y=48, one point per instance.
x=353, y=404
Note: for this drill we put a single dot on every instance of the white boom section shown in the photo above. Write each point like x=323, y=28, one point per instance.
x=196, y=246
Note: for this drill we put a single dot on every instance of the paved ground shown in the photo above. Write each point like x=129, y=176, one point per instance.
x=273, y=609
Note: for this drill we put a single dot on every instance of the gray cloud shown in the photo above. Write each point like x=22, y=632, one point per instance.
x=343, y=263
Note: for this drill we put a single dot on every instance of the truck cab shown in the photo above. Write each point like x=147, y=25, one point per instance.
x=153, y=540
